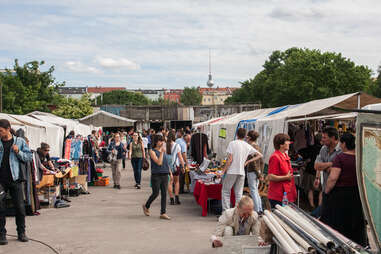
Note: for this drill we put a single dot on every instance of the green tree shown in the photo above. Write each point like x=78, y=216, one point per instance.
x=162, y=101
x=123, y=98
x=299, y=75
x=26, y=88
x=376, y=86
x=74, y=108
x=191, y=96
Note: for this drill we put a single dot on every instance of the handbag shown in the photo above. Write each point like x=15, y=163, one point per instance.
x=145, y=164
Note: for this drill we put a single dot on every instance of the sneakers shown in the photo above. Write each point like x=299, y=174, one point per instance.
x=177, y=200
x=137, y=186
x=22, y=238
x=3, y=239
x=165, y=217
x=172, y=201
x=145, y=210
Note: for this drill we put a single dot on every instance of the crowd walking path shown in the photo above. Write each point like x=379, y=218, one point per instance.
x=112, y=221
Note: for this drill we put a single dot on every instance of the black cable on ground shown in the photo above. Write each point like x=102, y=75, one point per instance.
x=37, y=241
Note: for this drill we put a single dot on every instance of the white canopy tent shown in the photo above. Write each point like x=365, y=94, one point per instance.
x=14, y=123
x=269, y=126
x=222, y=132
x=106, y=119
x=38, y=131
x=32, y=132
x=67, y=124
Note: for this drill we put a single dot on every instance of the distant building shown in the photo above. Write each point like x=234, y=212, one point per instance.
x=215, y=96
x=77, y=92
x=72, y=92
x=173, y=95
x=151, y=94
x=96, y=91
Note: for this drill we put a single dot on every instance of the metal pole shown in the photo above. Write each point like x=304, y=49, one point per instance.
x=359, y=101
x=1, y=96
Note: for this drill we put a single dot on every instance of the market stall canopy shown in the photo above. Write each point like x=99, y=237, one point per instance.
x=38, y=131
x=224, y=131
x=269, y=126
x=13, y=121
x=106, y=119
x=373, y=107
x=333, y=105
x=67, y=124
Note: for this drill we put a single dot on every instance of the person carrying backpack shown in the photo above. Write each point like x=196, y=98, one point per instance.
x=176, y=164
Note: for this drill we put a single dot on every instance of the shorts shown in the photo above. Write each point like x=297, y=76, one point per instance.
x=177, y=172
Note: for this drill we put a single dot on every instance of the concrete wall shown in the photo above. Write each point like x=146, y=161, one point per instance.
x=176, y=113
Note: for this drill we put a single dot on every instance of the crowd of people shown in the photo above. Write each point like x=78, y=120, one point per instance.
x=333, y=162
x=331, y=166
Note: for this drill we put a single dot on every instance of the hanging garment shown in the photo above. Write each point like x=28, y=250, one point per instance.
x=199, y=147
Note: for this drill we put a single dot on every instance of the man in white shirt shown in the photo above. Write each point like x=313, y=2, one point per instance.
x=234, y=170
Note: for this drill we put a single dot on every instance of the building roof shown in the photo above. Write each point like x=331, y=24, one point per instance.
x=104, y=89
x=174, y=91
x=106, y=119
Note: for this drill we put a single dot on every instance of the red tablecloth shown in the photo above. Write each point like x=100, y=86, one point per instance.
x=203, y=192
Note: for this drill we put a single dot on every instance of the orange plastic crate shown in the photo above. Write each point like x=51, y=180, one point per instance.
x=102, y=181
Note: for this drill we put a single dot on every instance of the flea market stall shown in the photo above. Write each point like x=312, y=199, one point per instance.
x=67, y=124
x=269, y=126
x=106, y=119
x=48, y=133
x=222, y=132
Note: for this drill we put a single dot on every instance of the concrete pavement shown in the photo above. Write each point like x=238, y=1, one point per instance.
x=112, y=221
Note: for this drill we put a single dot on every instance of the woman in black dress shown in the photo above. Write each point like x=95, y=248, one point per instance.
x=344, y=204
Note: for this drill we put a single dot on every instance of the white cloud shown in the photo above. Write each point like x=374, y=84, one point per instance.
x=170, y=39
x=108, y=62
x=77, y=66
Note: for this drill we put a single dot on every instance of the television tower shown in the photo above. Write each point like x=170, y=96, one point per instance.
x=210, y=83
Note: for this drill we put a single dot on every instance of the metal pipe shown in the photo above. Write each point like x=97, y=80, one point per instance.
x=285, y=235
x=349, y=244
x=294, y=235
x=326, y=229
x=306, y=226
x=321, y=237
x=283, y=242
x=310, y=239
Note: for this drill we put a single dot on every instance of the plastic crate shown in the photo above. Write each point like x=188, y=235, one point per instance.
x=104, y=181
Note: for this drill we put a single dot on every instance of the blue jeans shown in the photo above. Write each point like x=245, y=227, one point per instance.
x=137, y=166
x=253, y=183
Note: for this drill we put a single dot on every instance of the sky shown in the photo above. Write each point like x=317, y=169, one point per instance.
x=152, y=44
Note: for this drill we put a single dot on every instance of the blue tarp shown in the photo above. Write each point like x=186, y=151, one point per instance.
x=278, y=110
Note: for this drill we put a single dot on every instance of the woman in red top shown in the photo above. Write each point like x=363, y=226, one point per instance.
x=280, y=172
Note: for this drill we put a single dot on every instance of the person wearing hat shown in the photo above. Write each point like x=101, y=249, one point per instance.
x=43, y=154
